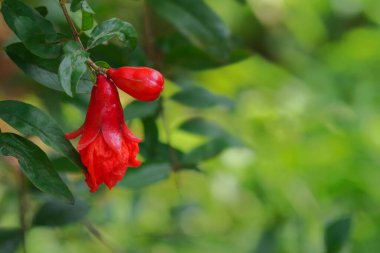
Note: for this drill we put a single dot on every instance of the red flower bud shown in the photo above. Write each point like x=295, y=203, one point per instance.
x=142, y=83
x=107, y=147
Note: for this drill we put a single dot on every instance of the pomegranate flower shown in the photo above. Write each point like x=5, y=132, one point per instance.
x=142, y=83
x=107, y=147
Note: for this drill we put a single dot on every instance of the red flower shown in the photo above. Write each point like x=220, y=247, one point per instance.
x=107, y=147
x=142, y=83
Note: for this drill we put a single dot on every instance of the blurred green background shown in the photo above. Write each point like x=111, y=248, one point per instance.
x=304, y=78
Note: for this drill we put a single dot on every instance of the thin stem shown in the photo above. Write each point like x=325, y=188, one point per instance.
x=172, y=153
x=74, y=30
x=76, y=35
x=98, y=235
x=22, y=206
x=95, y=67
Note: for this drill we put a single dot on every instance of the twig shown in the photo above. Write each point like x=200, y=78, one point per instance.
x=98, y=235
x=172, y=153
x=76, y=35
x=74, y=30
x=22, y=205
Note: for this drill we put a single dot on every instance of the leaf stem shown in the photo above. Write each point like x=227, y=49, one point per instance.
x=76, y=35
x=172, y=153
x=22, y=205
x=74, y=30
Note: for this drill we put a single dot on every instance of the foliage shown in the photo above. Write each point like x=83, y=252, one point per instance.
x=267, y=129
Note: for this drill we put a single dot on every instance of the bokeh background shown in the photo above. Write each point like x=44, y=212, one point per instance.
x=303, y=78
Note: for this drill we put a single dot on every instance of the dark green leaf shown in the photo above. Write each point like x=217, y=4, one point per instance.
x=210, y=149
x=63, y=164
x=10, y=239
x=87, y=20
x=146, y=174
x=72, y=67
x=35, y=165
x=54, y=213
x=150, y=135
x=195, y=20
x=202, y=127
x=336, y=234
x=31, y=121
x=163, y=153
x=109, y=29
x=36, y=32
x=87, y=13
x=200, y=98
x=42, y=10
x=139, y=109
x=43, y=71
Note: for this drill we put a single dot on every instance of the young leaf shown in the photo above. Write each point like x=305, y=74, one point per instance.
x=30, y=121
x=36, y=32
x=54, y=213
x=139, y=109
x=146, y=174
x=72, y=67
x=10, y=239
x=87, y=13
x=198, y=97
x=43, y=71
x=195, y=20
x=35, y=165
x=336, y=234
x=202, y=127
x=109, y=29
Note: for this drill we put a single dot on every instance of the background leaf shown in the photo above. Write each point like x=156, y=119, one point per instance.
x=113, y=28
x=43, y=71
x=36, y=32
x=146, y=174
x=198, y=97
x=195, y=20
x=35, y=165
x=54, y=213
x=337, y=234
x=202, y=127
x=31, y=121
x=139, y=109
x=10, y=239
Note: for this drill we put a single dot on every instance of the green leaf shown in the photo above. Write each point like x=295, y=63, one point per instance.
x=202, y=127
x=196, y=21
x=87, y=20
x=31, y=121
x=10, y=239
x=72, y=67
x=109, y=29
x=139, y=109
x=55, y=213
x=43, y=71
x=210, y=149
x=87, y=13
x=42, y=10
x=35, y=165
x=36, y=32
x=198, y=97
x=146, y=174
x=62, y=164
x=336, y=234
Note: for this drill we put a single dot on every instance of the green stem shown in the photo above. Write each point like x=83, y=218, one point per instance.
x=93, y=67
